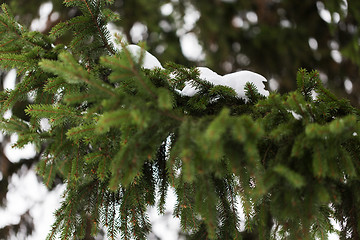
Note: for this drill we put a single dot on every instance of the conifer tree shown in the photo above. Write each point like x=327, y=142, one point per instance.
x=121, y=135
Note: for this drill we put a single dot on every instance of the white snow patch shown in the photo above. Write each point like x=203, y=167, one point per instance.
x=165, y=26
x=45, y=9
x=273, y=84
x=54, y=16
x=45, y=124
x=285, y=23
x=295, y=115
x=313, y=43
x=166, y=9
x=336, y=225
x=336, y=17
x=186, y=23
x=191, y=16
x=348, y=86
x=314, y=95
x=336, y=56
x=39, y=24
x=333, y=45
x=344, y=7
x=43, y=210
x=27, y=194
x=191, y=47
x=7, y=114
x=165, y=226
x=15, y=154
x=323, y=12
x=333, y=236
x=323, y=77
x=252, y=17
x=237, y=22
x=138, y=32
x=9, y=81
x=235, y=80
x=150, y=61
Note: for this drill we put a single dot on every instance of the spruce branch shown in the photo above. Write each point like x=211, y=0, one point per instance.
x=92, y=8
x=119, y=134
x=72, y=72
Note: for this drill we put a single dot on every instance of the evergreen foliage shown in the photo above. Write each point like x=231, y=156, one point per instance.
x=120, y=136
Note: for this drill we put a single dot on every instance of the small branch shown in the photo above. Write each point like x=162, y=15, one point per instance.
x=99, y=30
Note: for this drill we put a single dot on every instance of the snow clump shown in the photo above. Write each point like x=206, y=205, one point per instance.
x=236, y=80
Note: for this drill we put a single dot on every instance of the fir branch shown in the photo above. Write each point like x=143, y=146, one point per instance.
x=62, y=27
x=95, y=20
x=73, y=72
x=14, y=125
x=109, y=118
